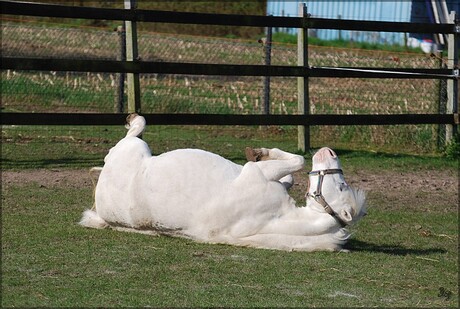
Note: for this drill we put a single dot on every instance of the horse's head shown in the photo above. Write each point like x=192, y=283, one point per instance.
x=329, y=191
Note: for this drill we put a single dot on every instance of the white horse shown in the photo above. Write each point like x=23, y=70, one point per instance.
x=202, y=196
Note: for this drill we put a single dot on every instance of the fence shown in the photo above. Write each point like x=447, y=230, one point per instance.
x=315, y=74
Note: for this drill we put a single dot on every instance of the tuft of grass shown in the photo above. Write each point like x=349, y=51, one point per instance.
x=452, y=150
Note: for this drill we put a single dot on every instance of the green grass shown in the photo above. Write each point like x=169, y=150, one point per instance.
x=45, y=92
x=376, y=161
x=402, y=255
x=287, y=38
x=48, y=260
x=25, y=147
x=47, y=146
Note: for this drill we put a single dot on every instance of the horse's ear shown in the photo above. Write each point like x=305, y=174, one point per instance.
x=345, y=215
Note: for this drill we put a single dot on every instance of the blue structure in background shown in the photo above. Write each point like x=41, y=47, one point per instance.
x=426, y=12
x=380, y=10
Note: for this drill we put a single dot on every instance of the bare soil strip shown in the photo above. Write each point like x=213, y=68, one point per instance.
x=426, y=190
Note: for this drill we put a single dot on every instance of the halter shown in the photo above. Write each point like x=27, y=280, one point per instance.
x=318, y=196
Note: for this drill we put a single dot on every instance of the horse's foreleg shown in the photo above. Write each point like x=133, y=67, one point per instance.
x=276, y=164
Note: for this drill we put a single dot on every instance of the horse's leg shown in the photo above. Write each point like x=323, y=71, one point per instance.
x=276, y=164
x=324, y=242
x=287, y=181
x=135, y=125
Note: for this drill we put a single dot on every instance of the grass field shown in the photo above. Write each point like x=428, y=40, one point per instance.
x=50, y=261
x=82, y=92
x=404, y=253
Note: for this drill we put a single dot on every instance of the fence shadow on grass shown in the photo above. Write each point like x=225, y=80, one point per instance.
x=376, y=154
x=361, y=246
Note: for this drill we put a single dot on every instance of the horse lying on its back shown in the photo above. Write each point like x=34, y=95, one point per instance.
x=200, y=195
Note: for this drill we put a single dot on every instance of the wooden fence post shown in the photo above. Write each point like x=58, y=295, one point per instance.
x=452, y=84
x=268, y=51
x=303, y=103
x=119, y=106
x=134, y=97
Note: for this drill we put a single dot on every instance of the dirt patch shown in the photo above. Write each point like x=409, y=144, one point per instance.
x=49, y=178
x=425, y=190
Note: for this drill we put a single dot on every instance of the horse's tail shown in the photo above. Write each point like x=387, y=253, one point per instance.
x=90, y=217
x=94, y=182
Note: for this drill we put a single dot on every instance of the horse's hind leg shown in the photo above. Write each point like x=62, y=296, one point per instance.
x=324, y=242
x=276, y=164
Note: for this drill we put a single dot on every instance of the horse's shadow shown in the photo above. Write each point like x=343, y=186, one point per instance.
x=361, y=246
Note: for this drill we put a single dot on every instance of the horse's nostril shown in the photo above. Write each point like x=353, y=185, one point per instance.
x=332, y=153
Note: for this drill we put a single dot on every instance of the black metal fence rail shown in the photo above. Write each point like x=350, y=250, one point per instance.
x=112, y=66
x=225, y=119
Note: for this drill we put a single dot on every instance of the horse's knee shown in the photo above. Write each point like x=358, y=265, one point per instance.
x=251, y=171
x=298, y=162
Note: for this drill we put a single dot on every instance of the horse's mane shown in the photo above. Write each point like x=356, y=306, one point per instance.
x=359, y=203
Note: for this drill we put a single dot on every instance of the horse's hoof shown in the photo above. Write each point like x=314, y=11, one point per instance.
x=254, y=155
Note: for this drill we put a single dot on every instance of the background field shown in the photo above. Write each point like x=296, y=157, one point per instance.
x=85, y=92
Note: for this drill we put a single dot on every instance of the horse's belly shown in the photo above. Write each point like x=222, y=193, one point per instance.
x=166, y=192
x=177, y=193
